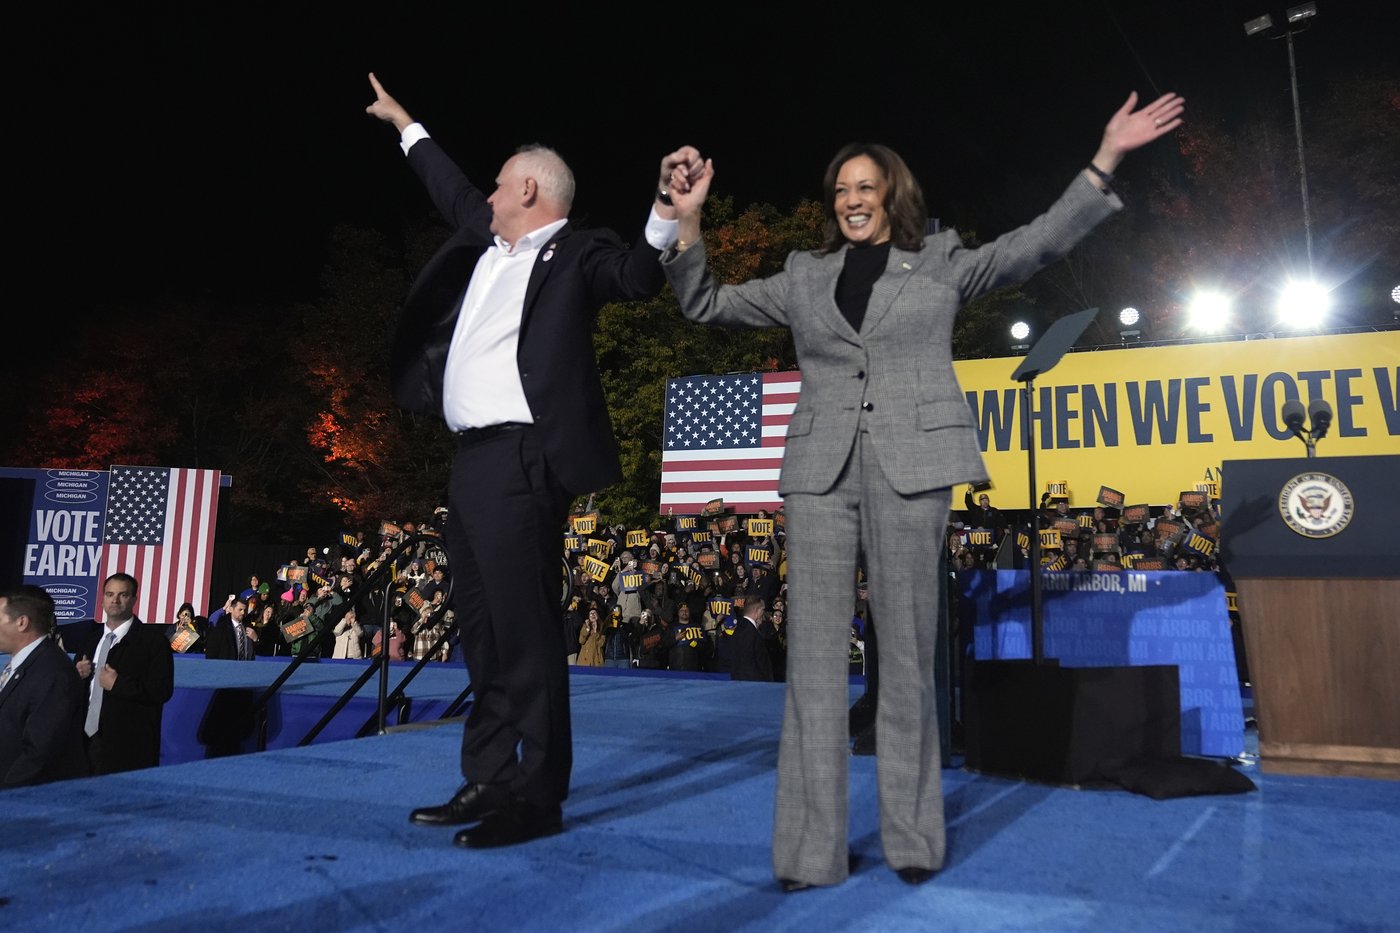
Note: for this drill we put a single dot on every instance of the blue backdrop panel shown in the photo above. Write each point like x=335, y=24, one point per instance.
x=1128, y=618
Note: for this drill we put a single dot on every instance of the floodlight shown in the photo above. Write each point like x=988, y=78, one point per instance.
x=1208, y=312
x=1258, y=24
x=1301, y=11
x=1303, y=305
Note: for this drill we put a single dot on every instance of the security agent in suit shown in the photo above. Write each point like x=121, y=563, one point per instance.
x=880, y=434
x=41, y=697
x=495, y=337
x=751, y=656
x=128, y=689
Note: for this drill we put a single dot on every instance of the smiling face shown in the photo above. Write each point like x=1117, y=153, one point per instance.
x=859, y=202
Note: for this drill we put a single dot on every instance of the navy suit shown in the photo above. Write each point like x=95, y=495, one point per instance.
x=41, y=720
x=751, y=656
x=128, y=731
x=509, y=492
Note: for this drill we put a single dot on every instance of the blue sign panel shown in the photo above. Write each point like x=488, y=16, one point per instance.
x=1115, y=619
x=63, y=553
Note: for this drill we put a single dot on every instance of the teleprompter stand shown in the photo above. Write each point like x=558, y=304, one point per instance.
x=1064, y=725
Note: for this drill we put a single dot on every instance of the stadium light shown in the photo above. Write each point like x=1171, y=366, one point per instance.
x=1020, y=336
x=1303, y=305
x=1128, y=324
x=1208, y=312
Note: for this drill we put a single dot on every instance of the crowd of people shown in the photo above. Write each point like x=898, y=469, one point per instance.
x=1179, y=536
x=669, y=600
x=288, y=611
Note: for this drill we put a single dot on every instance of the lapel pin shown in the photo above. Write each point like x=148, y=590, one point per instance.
x=548, y=253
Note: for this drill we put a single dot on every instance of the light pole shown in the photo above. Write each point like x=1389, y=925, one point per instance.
x=1295, y=14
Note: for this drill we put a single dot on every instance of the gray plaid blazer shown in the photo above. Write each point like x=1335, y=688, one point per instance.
x=900, y=364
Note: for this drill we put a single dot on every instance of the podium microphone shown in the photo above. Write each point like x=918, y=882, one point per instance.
x=1293, y=416
x=1320, y=414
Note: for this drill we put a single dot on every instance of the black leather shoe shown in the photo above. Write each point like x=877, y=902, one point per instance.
x=913, y=875
x=511, y=825
x=471, y=804
x=791, y=886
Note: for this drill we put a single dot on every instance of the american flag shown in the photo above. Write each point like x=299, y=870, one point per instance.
x=160, y=529
x=724, y=438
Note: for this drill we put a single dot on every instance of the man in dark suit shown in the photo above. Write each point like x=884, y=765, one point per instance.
x=496, y=337
x=41, y=698
x=229, y=639
x=752, y=651
x=129, y=671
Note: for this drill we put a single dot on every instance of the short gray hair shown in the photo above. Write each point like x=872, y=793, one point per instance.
x=551, y=173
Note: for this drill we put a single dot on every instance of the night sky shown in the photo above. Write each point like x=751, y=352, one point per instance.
x=185, y=149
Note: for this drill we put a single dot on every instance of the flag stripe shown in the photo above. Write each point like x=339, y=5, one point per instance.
x=725, y=438
x=738, y=484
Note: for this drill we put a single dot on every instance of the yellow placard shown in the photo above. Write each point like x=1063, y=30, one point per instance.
x=595, y=568
x=638, y=538
x=759, y=527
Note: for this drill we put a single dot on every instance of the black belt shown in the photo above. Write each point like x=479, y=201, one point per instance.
x=477, y=435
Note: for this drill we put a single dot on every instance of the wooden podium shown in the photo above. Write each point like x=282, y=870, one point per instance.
x=1313, y=546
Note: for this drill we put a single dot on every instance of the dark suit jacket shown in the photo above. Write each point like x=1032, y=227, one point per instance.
x=129, y=729
x=219, y=643
x=751, y=654
x=574, y=275
x=41, y=720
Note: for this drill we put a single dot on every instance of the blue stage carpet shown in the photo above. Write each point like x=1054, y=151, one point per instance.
x=668, y=829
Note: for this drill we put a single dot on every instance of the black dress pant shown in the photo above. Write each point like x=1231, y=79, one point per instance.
x=505, y=521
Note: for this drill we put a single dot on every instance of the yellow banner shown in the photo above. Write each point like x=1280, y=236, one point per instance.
x=599, y=547
x=638, y=538
x=597, y=569
x=1153, y=421
x=584, y=524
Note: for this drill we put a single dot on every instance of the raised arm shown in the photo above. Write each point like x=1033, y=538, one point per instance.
x=1130, y=129
x=456, y=198
x=757, y=303
x=386, y=108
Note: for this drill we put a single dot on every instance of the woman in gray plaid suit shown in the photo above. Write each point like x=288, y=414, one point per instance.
x=879, y=436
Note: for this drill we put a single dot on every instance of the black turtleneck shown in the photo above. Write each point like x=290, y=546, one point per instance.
x=864, y=264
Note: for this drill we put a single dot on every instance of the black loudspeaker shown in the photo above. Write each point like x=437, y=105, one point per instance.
x=1061, y=725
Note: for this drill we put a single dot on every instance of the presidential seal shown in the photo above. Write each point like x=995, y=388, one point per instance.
x=1316, y=505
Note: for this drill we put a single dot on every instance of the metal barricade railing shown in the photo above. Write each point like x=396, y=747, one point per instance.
x=379, y=579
